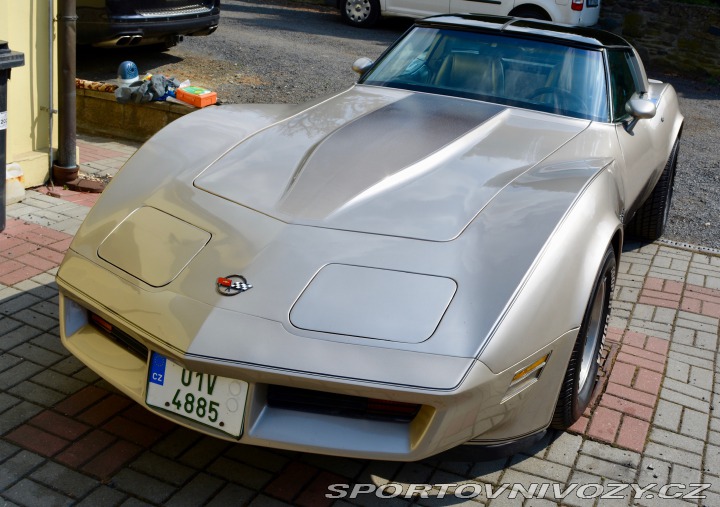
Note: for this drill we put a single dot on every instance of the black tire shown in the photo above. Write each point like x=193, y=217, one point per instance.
x=530, y=11
x=360, y=13
x=650, y=220
x=582, y=371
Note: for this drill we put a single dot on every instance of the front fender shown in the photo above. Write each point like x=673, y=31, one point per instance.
x=553, y=299
x=545, y=316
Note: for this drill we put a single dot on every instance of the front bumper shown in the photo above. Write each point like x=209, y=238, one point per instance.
x=470, y=404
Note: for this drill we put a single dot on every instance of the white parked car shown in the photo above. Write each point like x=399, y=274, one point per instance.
x=364, y=13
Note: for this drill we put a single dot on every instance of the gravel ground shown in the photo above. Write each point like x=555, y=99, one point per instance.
x=273, y=51
x=263, y=52
x=695, y=211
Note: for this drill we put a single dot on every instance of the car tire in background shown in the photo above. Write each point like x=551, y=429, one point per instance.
x=582, y=371
x=360, y=13
x=650, y=220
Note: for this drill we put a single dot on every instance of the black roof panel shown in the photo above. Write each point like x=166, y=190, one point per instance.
x=531, y=27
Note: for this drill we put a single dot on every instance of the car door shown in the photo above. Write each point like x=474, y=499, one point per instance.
x=417, y=8
x=642, y=153
x=497, y=7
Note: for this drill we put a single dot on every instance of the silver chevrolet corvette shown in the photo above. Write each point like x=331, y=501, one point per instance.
x=424, y=260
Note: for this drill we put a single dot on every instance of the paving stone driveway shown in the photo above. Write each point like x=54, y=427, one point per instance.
x=68, y=438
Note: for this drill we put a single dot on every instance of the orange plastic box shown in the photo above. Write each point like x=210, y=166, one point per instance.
x=198, y=97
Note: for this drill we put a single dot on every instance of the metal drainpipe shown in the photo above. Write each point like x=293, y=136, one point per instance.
x=66, y=169
x=51, y=79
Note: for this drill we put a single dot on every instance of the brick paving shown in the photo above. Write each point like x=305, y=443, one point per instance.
x=26, y=250
x=69, y=438
x=622, y=412
x=102, y=157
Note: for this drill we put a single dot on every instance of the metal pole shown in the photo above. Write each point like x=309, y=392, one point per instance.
x=3, y=140
x=66, y=169
x=51, y=81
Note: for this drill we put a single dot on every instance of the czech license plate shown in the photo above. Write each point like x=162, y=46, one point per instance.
x=211, y=400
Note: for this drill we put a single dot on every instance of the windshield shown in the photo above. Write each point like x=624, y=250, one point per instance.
x=527, y=73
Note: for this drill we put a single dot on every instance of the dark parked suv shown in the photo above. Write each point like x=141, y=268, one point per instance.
x=142, y=22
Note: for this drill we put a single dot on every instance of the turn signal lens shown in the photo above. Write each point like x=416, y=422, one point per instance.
x=525, y=378
x=528, y=370
x=119, y=336
x=100, y=322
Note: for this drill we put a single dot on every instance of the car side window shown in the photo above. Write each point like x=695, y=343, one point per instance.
x=622, y=81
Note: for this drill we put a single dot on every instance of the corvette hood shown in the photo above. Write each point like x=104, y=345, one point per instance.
x=150, y=251
x=386, y=162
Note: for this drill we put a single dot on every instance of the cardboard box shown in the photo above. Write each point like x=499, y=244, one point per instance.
x=198, y=97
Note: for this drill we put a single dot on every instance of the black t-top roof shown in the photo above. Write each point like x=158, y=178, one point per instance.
x=574, y=35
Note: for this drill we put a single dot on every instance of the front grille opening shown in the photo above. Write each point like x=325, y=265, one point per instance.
x=343, y=405
x=118, y=336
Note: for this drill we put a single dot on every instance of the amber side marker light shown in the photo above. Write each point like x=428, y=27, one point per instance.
x=526, y=377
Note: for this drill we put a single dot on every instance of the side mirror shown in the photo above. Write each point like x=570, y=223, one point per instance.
x=640, y=109
x=362, y=64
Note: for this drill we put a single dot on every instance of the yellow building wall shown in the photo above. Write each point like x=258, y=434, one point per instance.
x=24, y=25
